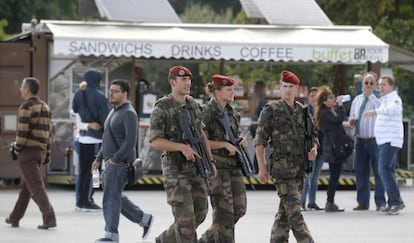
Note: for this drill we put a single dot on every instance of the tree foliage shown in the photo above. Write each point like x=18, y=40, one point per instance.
x=392, y=21
x=198, y=13
x=3, y=24
x=17, y=12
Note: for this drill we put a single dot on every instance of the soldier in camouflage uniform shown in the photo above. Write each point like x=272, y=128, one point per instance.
x=228, y=199
x=282, y=124
x=186, y=190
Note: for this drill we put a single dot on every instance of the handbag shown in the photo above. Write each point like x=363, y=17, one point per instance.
x=134, y=168
x=342, y=146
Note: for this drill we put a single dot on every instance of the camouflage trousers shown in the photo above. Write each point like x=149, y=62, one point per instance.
x=289, y=215
x=229, y=203
x=187, y=195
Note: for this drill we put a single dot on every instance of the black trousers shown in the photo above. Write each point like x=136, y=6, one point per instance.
x=87, y=154
x=334, y=173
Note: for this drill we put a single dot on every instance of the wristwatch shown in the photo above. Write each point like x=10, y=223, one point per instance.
x=213, y=161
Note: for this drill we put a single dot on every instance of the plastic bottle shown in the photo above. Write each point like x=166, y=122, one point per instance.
x=346, y=98
x=95, y=178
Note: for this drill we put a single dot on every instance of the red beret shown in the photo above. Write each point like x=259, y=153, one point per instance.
x=222, y=80
x=180, y=71
x=289, y=77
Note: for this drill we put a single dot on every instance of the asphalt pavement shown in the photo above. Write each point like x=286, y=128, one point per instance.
x=73, y=226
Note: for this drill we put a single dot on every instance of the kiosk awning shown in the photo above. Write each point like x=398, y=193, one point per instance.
x=401, y=57
x=337, y=44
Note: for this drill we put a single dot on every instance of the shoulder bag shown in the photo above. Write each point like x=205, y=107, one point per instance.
x=342, y=146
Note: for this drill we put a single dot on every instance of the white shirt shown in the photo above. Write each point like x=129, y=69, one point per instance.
x=84, y=126
x=366, y=124
x=389, y=124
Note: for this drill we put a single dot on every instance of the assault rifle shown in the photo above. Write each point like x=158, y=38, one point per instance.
x=243, y=157
x=203, y=164
x=308, y=137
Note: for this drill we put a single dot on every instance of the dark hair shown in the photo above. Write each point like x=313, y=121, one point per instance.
x=323, y=93
x=211, y=86
x=172, y=76
x=209, y=89
x=124, y=84
x=389, y=79
x=33, y=84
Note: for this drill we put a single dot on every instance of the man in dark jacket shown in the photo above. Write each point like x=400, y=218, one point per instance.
x=92, y=107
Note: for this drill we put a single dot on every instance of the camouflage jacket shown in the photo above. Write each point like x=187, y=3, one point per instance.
x=211, y=111
x=284, y=129
x=164, y=120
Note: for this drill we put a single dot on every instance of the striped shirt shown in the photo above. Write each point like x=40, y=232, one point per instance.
x=389, y=124
x=367, y=124
x=34, y=125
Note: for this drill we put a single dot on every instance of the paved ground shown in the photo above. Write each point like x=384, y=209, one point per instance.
x=347, y=227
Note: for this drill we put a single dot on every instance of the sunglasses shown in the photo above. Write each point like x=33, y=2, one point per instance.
x=369, y=83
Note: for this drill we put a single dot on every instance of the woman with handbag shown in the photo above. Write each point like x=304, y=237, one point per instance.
x=329, y=115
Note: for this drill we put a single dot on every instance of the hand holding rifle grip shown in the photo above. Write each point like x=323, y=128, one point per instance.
x=197, y=143
x=242, y=155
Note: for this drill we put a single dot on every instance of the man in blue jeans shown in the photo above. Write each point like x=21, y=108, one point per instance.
x=118, y=148
x=366, y=149
x=389, y=134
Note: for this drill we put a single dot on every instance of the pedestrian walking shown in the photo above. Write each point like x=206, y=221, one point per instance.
x=118, y=152
x=32, y=146
x=282, y=124
x=228, y=198
x=186, y=189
